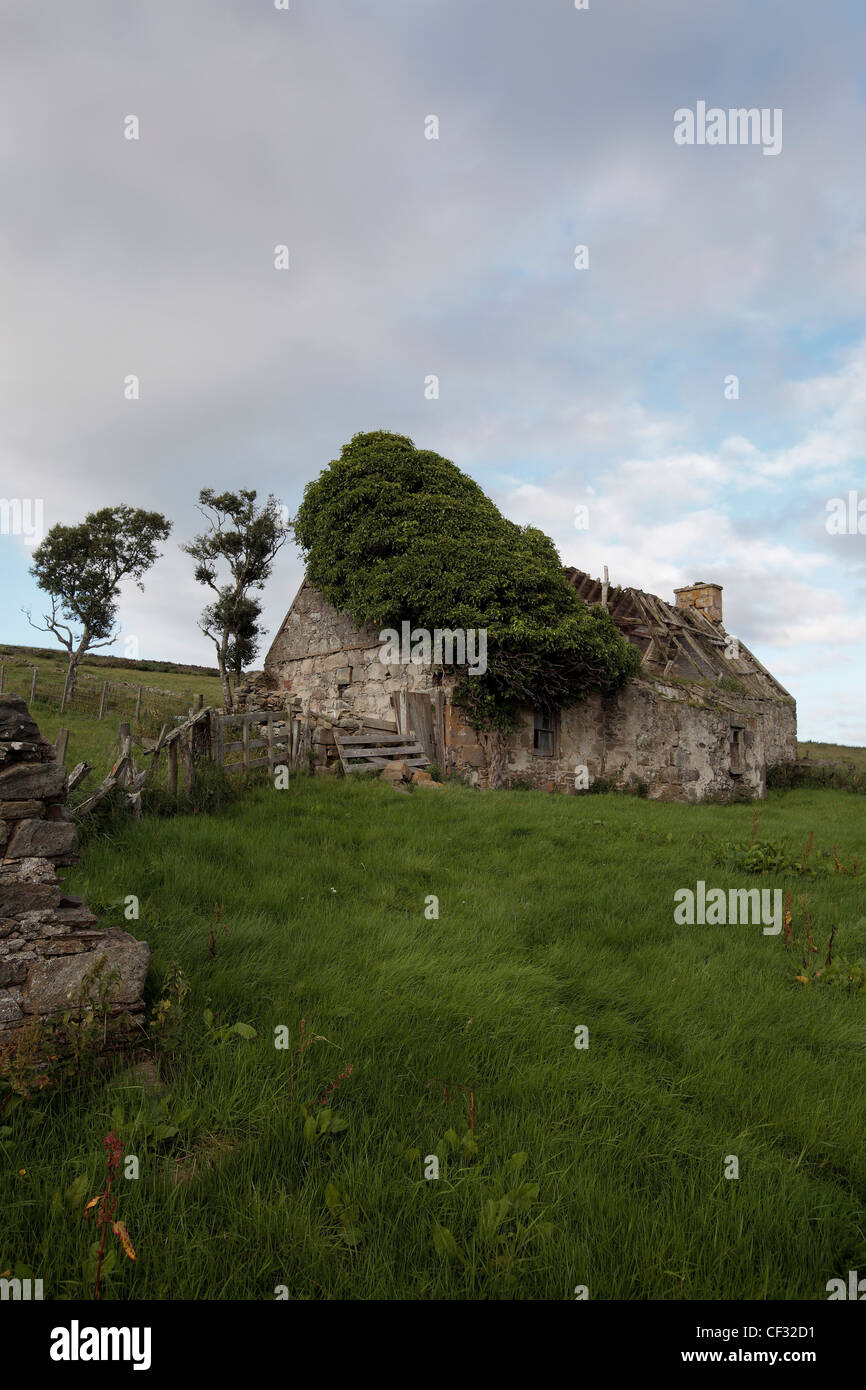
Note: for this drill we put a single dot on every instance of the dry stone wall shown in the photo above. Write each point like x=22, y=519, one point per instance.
x=50, y=941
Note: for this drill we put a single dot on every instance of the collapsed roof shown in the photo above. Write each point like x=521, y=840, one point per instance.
x=678, y=642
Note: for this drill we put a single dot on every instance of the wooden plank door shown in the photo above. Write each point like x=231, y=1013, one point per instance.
x=420, y=716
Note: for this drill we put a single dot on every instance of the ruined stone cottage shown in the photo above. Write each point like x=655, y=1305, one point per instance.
x=703, y=718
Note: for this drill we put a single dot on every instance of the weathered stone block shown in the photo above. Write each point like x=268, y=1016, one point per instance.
x=396, y=771
x=43, y=839
x=22, y=781
x=13, y=971
x=21, y=810
x=53, y=983
x=15, y=720
x=20, y=895
x=10, y=1011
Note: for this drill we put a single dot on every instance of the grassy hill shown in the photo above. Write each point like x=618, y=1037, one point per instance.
x=168, y=690
x=833, y=753
x=309, y=909
x=97, y=663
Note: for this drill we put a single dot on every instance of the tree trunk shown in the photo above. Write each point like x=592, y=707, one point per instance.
x=75, y=659
x=495, y=747
x=71, y=676
x=228, y=705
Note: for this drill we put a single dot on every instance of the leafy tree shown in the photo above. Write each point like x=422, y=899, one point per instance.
x=391, y=532
x=81, y=569
x=245, y=538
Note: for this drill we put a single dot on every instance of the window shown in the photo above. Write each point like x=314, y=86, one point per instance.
x=736, y=752
x=542, y=739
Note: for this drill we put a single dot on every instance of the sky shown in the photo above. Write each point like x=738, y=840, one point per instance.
x=606, y=385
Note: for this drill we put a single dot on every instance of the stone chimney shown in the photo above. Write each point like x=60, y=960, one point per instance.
x=706, y=598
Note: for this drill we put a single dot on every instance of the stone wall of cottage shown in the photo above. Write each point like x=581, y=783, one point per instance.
x=49, y=940
x=675, y=739
x=321, y=655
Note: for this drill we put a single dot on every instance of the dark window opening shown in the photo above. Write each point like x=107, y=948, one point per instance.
x=542, y=739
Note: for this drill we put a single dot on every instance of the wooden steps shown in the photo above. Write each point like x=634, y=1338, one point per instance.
x=373, y=750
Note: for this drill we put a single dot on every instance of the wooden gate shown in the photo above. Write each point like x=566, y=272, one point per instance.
x=277, y=740
x=421, y=715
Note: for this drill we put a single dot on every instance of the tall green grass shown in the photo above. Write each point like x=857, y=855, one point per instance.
x=554, y=912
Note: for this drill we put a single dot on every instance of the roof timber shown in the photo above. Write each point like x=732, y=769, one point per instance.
x=676, y=642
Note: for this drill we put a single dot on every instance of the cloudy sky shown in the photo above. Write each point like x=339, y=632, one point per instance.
x=602, y=387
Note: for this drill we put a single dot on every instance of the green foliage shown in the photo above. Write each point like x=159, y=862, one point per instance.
x=60, y=1048
x=777, y=857
x=848, y=975
x=762, y=857
x=321, y=1121
x=159, y=1120
x=839, y=776
x=391, y=532
x=731, y=683
x=168, y=1015
x=213, y=789
x=81, y=569
x=119, y=663
x=243, y=538
x=227, y=1032
x=509, y=1230
x=346, y=1213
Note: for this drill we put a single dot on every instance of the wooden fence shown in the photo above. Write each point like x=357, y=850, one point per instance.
x=201, y=737
x=282, y=738
x=144, y=705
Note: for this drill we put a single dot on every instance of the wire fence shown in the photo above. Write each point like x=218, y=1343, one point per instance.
x=146, y=707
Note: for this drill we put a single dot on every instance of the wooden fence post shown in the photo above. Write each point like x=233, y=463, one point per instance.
x=2, y=677
x=186, y=762
x=271, y=744
x=171, y=778
x=60, y=744
x=102, y=699
x=138, y=706
x=305, y=747
x=33, y=685
x=124, y=743
x=245, y=739
x=213, y=721
x=65, y=691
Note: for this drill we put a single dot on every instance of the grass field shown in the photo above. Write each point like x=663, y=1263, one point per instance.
x=554, y=912
x=833, y=752
x=168, y=694
x=167, y=691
